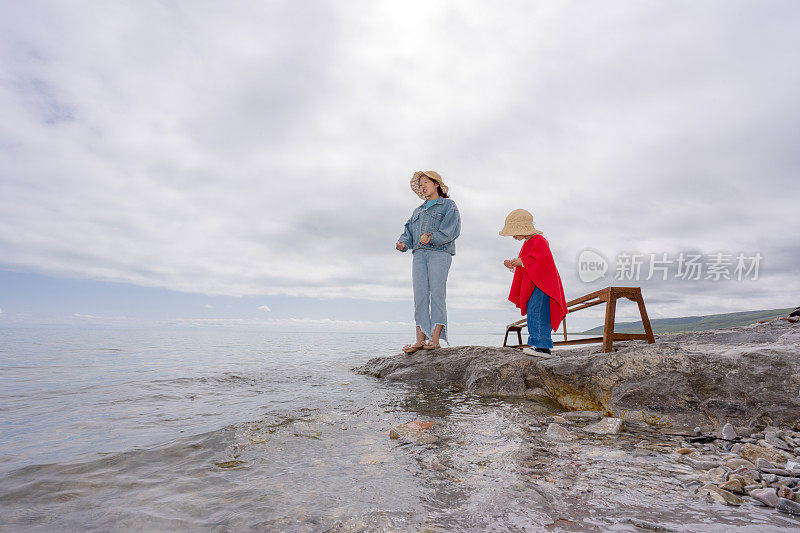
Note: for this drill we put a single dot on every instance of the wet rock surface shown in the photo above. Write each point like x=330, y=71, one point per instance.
x=742, y=376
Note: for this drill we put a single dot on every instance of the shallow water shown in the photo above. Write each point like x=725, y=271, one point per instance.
x=228, y=430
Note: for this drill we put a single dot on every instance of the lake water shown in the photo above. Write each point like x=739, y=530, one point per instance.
x=244, y=430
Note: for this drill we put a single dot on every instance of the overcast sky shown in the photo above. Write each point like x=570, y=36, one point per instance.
x=201, y=160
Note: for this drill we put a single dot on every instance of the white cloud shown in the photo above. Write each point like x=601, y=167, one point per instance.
x=209, y=306
x=230, y=154
x=1, y=311
x=264, y=308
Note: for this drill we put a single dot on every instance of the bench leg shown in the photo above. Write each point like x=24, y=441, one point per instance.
x=645, y=320
x=608, y=329
x=519, y=335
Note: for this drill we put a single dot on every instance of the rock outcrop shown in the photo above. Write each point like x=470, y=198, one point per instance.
x=746, y=376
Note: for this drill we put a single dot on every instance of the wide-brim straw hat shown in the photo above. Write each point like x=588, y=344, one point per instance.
x=430, y=174
x=519, y=222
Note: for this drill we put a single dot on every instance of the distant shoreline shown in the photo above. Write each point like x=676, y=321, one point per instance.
x=689, y=324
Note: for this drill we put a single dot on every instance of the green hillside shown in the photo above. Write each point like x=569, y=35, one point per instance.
x=695, y=323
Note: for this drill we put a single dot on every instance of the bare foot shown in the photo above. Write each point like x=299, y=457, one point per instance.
x=411, y=348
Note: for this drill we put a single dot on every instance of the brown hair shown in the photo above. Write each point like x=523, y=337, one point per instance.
x=441, y=193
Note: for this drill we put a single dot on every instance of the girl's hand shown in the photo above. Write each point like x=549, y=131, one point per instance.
x=400, y=246
x=425, y=239
x=507, y=263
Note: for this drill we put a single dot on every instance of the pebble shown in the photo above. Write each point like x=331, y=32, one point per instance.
x=785, y=492
x=702, y=464
x=752, y=452
x=718, y=475
x=748, y=477
x=728, y=432
x=607, y=426
x=778, y=432
x=748, y=489
x=768, y=496
x=788, y=506
x=736, y=463
x=762, y=464
x=557, y=420
x=413, y=432
x=684, y=451
x=720, y=495
x=773, y=440
x=733, y=485
x=692, y=483
x=777, y=471
x=737, y=448
x=557, y=432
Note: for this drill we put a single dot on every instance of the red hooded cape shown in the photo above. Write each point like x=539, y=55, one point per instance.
x=538, y=270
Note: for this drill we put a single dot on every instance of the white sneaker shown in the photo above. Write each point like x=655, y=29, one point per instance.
x=531, y=351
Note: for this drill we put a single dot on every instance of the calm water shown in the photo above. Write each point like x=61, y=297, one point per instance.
x=226, y=430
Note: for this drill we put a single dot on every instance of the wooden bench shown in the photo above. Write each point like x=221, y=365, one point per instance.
x=609, y=296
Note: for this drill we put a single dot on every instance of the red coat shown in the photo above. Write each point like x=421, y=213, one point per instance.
x=538, y=270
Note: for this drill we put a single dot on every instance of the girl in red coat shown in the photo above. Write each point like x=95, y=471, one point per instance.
x=536, y=289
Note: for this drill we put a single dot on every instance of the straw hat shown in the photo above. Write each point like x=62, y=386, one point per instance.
x=430, y=174
x=519, y=222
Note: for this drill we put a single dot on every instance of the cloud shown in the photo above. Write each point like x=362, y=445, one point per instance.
x=229, y=154
x=209, y=306
x=1, y=311
x=264, y=308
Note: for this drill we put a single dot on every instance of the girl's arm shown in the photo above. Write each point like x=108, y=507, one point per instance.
x=450, y=227
x=406, y=238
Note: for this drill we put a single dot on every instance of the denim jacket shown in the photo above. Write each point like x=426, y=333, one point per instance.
x=441, y=220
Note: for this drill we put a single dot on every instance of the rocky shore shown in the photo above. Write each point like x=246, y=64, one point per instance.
x=722, y=406
x=748, y=376
x=725, y=467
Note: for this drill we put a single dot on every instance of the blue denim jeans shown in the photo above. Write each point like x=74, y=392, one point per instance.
x=429, y=274
x=539, y=320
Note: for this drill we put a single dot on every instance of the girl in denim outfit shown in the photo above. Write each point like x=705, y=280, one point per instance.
x=430, y=233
